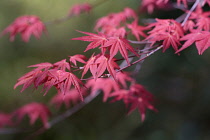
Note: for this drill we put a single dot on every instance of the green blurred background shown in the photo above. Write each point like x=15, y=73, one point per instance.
x=181, y=84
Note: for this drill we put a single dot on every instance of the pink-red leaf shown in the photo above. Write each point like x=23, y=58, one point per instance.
x=95, y=39
x=34, y=111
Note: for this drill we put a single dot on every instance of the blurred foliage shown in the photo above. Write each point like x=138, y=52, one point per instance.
x=180, y=83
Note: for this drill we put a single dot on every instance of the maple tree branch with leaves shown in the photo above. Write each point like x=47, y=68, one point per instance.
x=111, y=39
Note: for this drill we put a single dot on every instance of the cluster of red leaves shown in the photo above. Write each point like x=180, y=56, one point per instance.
x=168, y=31
x=110, y=44
x=198, y=26
x=80, y=8
x=151, y=5
x=198, y=20
x=120, y=25
x=116, y=84
x=98, y=64
x=58, y=75
x=26, y=26
x=69, y=99
x=113, y=24
x=135, y=96
x=32, y=110
x=201, y=39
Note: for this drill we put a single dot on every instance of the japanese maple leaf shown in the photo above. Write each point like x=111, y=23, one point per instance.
x=26, y=26
x=40, y=66
x=129, y=13
x=107, y=85
x=151, y=5
x=137, y=97
x=36, y=76
x=189, y=25
x=136, y=30
x=201, y=39
x=80, y=8
x=202, y=19
x=76, y=82
x=141, y=104
x=123, y=78
x=104, y=62
x=168, y=40
x=115, y=32
x=78, y=57
x=5, y=120
x=115, y=44
x=28, y=79
x=90, y=65
x=121, y=94
x=168, y=31
x=62, y=65
x=63, y=81
x=98, y=64
x=140, y=99
x=51, y=75
x=114, y=20
x=95, y=39
x=70, y=98
x=55, y=78
x=34, y=111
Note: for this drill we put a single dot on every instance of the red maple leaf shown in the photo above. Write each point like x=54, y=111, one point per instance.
x=137, y=97
x=112, y=25
x=63, y=82
x=115, y=32
x=70, y=98
x=34, y=111
x=51, y=75
x=98, y=64
x=151, y=5
x=78, y=57
x=123, y=78
x=168, y=31
x=201, y=18
x=136, y=29
x=115, y=44
x=62, y=65
x=107, y=85
x=80, y=8
x=201, y=39
x=129, y=13
x=26, y=26
x=95, y=39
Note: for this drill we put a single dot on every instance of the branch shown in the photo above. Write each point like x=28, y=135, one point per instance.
x=65, y=115
x=190, y=12
x=141, y=59
x=138, y=66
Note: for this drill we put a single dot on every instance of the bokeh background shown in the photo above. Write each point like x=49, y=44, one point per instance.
x=181, y=84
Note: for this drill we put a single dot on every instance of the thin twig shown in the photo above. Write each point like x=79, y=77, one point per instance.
x=141, y=59
x=139, y=64
x=139, y=42
x=190, y=12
